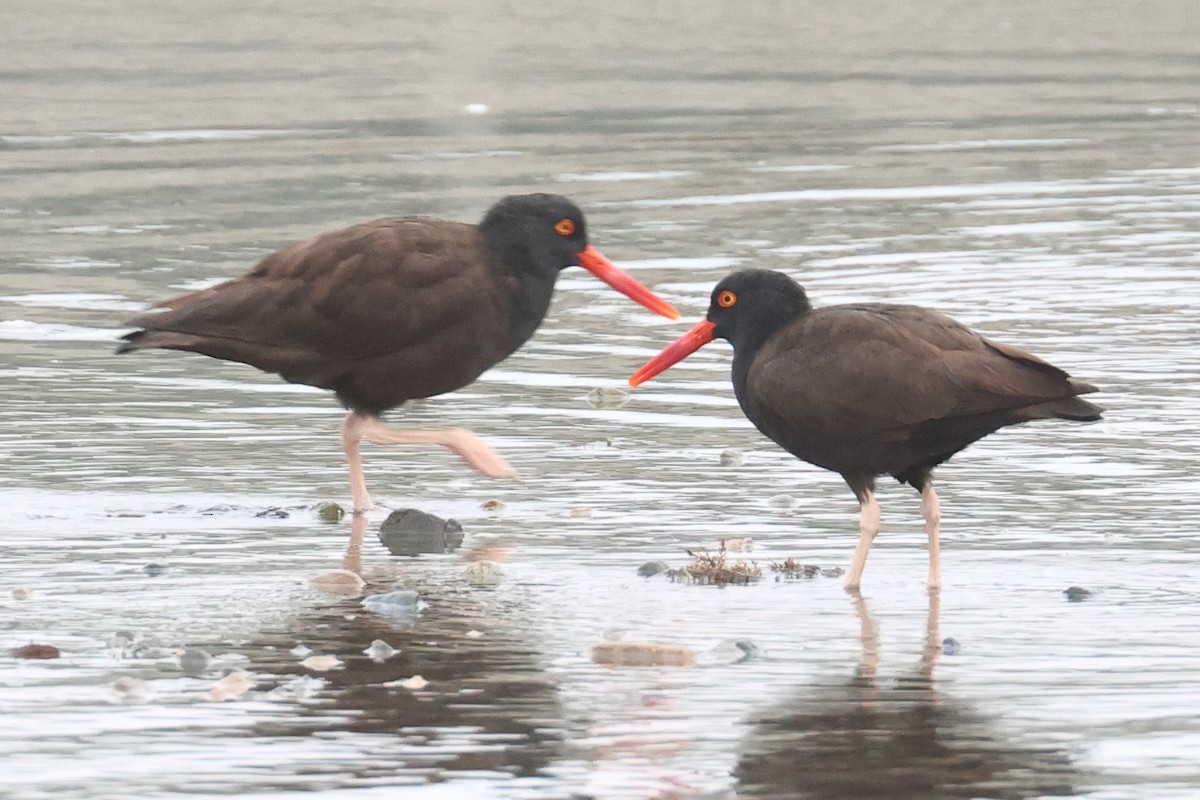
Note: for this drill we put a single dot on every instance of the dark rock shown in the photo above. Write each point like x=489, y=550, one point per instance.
x=155, y=568
x=651, y=568
x=411, y=532
x=194, y=661
x=750, y=651
x=950, y=646
x=1076, y=594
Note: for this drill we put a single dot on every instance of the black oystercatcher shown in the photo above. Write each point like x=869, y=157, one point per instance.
x=871, y=389
x=392, y=310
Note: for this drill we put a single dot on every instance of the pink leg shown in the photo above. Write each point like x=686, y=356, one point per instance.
x=868, y=527
x=469, y=447
x=352, y=433
x=931, y=511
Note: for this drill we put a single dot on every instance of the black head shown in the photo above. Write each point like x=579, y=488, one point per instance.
x=542, y=232
x=749, y=305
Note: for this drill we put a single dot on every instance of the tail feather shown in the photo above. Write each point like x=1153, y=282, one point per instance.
x=131, y=342
x=1072, y=408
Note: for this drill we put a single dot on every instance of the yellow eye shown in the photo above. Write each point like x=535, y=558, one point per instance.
x=565, y=226
x=726, y=298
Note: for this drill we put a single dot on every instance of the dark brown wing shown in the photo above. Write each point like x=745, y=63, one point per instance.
x=890, y=375
x=412, y=301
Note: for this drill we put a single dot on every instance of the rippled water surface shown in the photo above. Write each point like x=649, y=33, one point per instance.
x=1031, y=169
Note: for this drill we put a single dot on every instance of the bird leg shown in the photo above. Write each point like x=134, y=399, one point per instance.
x=932, y=512
x=466, y=445
x=868, y=526
x=469, y=447
x=352, y=433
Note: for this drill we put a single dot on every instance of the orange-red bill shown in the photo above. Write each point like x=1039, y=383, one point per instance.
x=594, y=262
x=675, y=352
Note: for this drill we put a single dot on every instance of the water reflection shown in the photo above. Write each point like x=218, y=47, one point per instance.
x=865, y=738
x=488, y=705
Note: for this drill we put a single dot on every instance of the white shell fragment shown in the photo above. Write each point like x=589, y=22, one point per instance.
x=321, y=663
x=339, y=581
x=416, y=682
x=231, y=687
x=380, y=651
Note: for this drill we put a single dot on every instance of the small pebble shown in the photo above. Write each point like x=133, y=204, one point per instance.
x=833, y=572
x=403, y=601
x=328, y=511
x=581, y=511
x=950, y=646
x=492, y=505
x=380, y=651
x=483, y=574
x=321, y=663
x=476, y=108
x=1076, y=594
x=121, y=643
x=274, y=512
x=155, y=568
x=339, y=581
x=22, y=593
x=127, y=689
x=732, y=458
x=608, y=397
x=300, y=651
x=651, y=568
x=473, y=634
x=642, y=654
x=194, y=661
x=783, y=501
x=301, y=687
x=231, y=687
x=37, y=651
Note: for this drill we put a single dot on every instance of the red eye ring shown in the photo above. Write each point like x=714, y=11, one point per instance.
x=726, y=299
x=565, y=227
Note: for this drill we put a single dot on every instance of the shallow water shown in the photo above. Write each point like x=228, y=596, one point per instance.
x=1032, y=170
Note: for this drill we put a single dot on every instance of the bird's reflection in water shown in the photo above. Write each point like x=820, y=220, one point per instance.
x=488, y=704
x=863, y=739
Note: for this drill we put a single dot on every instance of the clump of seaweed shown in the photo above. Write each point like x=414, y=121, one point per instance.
x=717, y=569
x=791, y=569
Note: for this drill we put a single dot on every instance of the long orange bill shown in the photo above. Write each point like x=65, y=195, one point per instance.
x=594, y=262
x=675, y=352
